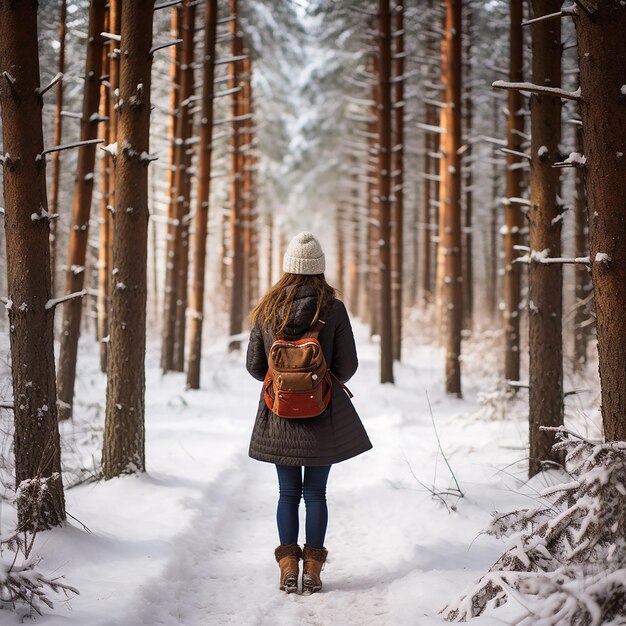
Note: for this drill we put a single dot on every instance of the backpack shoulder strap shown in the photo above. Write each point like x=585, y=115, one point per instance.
x=316, y=329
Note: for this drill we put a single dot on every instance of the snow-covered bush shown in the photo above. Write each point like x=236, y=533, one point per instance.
x=566, y=563
x=22, y=586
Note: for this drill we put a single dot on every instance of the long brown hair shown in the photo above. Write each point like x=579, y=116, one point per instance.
x=274, y=309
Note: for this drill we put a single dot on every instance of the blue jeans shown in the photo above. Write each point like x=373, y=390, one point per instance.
x=292, y=487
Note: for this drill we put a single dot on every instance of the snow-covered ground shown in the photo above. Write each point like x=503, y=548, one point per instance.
x=191, y=541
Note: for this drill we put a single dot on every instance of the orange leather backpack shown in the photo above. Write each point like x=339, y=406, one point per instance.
x=298, y=382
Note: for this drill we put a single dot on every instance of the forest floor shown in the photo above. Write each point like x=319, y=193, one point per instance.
x=191, y=541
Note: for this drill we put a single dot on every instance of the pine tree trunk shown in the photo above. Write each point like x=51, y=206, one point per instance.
x=270, y=250
x=56, y=156
x=397, y=206
x=450, y=201
x=40, y=501
x=373, y=220
x=124, y=435
x=106, y=218
x=247, y=192
x=582, y=276
x=468, y=181
x=236, y=167
x=183, y=182
x=440, y=258
x=428, y=169
x=514, y=218
x=384, y=191
x=102, y=322
x=341, y=249
x=81, y=209
x=602, y=60
x=545, y=280
x=355, y=258
x=173, y=226
x=201, y=216
x=491, y=261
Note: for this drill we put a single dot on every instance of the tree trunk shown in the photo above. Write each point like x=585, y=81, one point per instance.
x=384, y=190
x=602, y=60
x=397, y=206
x=236, y=170
x=81, y=208
x=106, y=217
x=201, y=216
x=582, y=275
x=183, y=181
x=428, y=169
x=373, y=219
x=440, y=259
x=545, y=280
x=249, y=226
x=514, y=218
x=171, y=262
x=56, y=156
x=450, y=200
x=355, y=258
x=270, y=250
x=341, y=249
x=468, y=192
x=40, y=501
x=124, y=435
x=102, y=322
x=491, y=260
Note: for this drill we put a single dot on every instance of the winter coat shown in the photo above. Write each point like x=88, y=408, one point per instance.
x=335, y=435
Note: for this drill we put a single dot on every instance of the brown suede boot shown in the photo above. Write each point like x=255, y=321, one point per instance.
x=288, y=557
x=314, y=559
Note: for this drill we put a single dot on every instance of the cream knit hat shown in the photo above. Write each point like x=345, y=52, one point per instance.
x=304, y=255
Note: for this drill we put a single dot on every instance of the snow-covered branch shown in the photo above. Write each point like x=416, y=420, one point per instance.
x=567, y=556
x=67, y=146
x=167, y=44
x=42, y=90
x=167, y=5
x=539, y=89
x=55, y=301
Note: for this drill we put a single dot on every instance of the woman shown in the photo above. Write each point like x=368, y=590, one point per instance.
x=304, y=450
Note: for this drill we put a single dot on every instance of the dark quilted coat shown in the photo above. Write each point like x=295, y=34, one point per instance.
x=338, y=433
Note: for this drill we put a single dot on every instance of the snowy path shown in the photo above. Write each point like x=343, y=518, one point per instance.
x=191, y=542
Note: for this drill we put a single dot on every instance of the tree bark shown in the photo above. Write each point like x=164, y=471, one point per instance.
x=81, y=209
x=40, y=500
x=384, y=190
x=373, y=217
x=340, y=245
x=201, y=216
x=514, y=218
x=105, y=252
x=56, y=156
x=124, y=435
x=356, y=260
x=236, y=171
x=602, y=61
x=182, y=181
x=102, y=322
x=397, y=206
x=545, y=280
x=171, y=261
x=428, y=170
x=468, y=182
x=450, y=200
x=248, y=213
x=583, y=286
x=491, y=260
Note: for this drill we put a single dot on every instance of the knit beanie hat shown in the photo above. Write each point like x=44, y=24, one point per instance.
x=304, y=255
